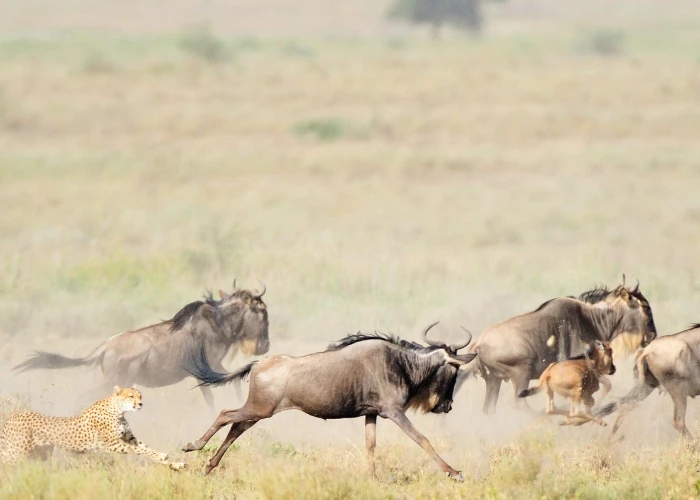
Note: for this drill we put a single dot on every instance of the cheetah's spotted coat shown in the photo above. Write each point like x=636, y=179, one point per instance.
x=101, y=427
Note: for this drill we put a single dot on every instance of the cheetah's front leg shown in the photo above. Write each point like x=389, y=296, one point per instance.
x=133, y=445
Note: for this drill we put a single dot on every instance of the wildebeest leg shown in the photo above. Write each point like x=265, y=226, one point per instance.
x=520, y=382
x=208, y=396
x=225, y=417
x=581, y=419
x=400, y=419
x=233, y=434
x=493, y=387
x=680, y=402
x=371, y=440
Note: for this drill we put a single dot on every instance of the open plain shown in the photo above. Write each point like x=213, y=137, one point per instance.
x=374, y=179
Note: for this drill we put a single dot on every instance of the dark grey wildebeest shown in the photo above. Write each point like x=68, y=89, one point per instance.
x=153, y=356
x=671, y=362
x=362, y=375
x=520, y=348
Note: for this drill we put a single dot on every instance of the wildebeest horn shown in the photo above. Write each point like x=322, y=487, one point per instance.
x=427, y=340
x=463, y=344
x=257, y=294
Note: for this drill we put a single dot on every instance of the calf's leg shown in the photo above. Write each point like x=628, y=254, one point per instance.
x=400, y=419
x=606, y=387
x=582, y=418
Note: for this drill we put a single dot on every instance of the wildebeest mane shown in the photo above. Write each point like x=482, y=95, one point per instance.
x=692, y=326
x=597, y=294
x=183, y=315
x=602, y=292
x=387, y=337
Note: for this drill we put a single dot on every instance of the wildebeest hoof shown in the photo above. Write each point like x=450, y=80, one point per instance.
x=457, y=477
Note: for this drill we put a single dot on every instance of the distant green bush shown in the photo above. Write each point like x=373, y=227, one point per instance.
x=325, y=129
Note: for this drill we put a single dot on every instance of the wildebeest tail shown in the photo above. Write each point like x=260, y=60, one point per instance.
x=198, y=366
x=50, y=360
x=646, y=383
x=531, y=391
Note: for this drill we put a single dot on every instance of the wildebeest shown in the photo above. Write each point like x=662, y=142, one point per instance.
x=517, y=349
x=671, y=362
x=366, y=375
x=153, y=356
x=577, y=379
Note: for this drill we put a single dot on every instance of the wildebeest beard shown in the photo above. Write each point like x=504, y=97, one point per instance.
x=431, y=380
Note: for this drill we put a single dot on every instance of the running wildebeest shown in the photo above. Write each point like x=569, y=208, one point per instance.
x=366, y=375
x=671, y=362
x=517, y=349
x=577, y=379
x=153, y=356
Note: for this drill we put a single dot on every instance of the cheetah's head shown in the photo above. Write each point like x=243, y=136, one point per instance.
x=129, y=398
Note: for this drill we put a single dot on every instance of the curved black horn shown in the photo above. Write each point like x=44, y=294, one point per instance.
x=636, y=288
x=427, y=340
x=257, y=294
x=234, y=284
x=463, y=344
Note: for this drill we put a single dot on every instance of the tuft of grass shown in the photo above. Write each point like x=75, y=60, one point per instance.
x=323, y=129
x=286, y=450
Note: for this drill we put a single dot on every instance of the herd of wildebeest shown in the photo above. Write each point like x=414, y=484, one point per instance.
x=567, y=343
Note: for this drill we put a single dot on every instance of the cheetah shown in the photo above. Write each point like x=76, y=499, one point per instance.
x=101, y=427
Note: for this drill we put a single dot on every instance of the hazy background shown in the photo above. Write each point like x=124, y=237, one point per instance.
x=372, y=176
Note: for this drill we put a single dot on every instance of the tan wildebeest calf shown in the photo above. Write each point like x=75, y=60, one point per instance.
x=577, y=379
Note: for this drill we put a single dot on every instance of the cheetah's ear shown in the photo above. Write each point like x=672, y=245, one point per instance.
x=117, y=389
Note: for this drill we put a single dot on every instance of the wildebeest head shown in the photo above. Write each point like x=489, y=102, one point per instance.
x=250, y=326
x=602, y=355
x=437, y=396
x=636, y=322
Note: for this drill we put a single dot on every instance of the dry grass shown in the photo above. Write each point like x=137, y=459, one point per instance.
x=372, y=183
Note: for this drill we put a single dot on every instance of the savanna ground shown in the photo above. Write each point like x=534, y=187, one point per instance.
x=373, y=179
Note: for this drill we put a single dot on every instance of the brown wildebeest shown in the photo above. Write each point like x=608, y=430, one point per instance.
x=153, y=356
x=671, y=362
x=577, y=379
x=517, y=349
x=362, y=375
